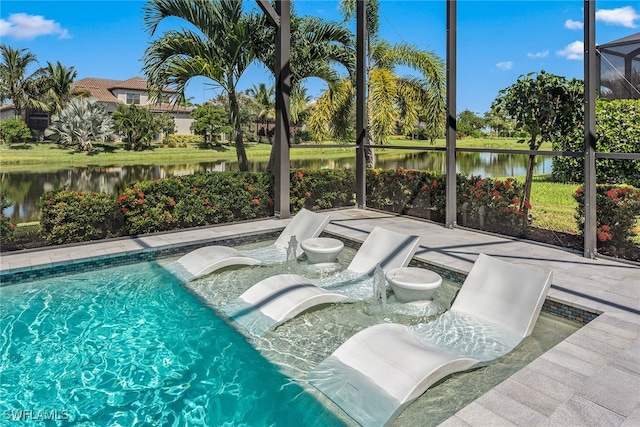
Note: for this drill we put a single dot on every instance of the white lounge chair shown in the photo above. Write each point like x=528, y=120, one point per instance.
x=272, y=301
x=304, y=225
x=376, y=373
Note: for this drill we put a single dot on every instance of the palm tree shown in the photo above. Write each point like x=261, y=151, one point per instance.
x=390, y=97
x=221, y=50
x=57, y=81
x=15, y=84
x=264, y=101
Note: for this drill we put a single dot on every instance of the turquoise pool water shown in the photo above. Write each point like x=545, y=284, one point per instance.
x=130, y=346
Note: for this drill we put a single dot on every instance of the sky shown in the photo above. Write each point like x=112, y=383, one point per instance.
x=498, y=41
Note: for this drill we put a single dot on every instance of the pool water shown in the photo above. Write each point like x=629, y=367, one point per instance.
x=131, y=346
x=134, y=346
x=299, y=344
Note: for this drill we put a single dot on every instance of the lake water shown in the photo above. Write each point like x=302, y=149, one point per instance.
x=24, y=188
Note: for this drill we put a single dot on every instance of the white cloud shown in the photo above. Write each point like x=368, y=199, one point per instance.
x=625, y=16
x=28, y=27
x=573, y=51
x=505, y=65
x=538, y=55
x=573, y=25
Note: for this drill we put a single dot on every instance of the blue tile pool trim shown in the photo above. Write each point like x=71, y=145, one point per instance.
x=21, y=275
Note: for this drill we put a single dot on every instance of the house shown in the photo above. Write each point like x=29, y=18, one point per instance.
x=112, y=93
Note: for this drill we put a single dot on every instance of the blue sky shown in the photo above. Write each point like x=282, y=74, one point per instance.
x=497, y=40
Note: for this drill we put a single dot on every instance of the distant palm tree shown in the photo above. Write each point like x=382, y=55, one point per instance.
x=15, y=84
x=57, y=81
x=391, y=99
x=221, y=50
x=263, y=98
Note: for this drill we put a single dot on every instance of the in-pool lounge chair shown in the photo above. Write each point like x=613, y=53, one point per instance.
x=276, y=299
x=304, y=225
x=376, y=373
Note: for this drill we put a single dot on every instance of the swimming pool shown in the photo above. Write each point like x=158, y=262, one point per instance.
x=131, y=346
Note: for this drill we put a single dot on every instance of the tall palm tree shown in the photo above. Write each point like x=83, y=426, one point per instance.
x=15, y=84
x=390, y=98
x=221, y=49
x=57, y=81
x=263, y=98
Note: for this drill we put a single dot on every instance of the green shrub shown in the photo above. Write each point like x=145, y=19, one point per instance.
x=617, y=209
x=6, y=227
x=181, y=140
x=14, y=131
x=195, y=200
x=73, y=216
x=322, y=189
x=501, y=198
x=406, y=191
x=617, y=130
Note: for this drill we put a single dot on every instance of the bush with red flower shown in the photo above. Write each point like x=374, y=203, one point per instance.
x=617, y=210
x=74, y=216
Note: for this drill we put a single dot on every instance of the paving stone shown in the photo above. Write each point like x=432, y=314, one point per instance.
x=544, y=384
x=579, y=412
x=478, y=416
x=562, y=358
x=562, y=374
x=454, y=422
x=600, y=390
x=510, y=409
x=528, y=396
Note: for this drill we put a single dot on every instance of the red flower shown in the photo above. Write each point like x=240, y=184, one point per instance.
x=515, y=200
x=300, y=174
x=172, y=202
x=256, y=201
x=526, y=204
x=249, y=188
x=48, y=202
x=479, y=183
x=579, y=191
x=140, y=201
x=145, y=214
x=206, y=201
x=434, y=184
x=605, y=228
x=603, y=237
x=141, y=194
x=424, y=188
x=307, y=194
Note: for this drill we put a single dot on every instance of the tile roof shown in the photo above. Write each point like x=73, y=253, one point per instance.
x=101, y=89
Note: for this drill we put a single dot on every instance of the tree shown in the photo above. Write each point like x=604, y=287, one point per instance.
x=548, y=107
x=263, y=98
x=14, y=131
x=56, y=82
x=469, y=123
x=80, y=123
x=221, y=49
x=15, y=84
x=210, y=122
x=391, y=99
x=137, y=124
x=166, y=124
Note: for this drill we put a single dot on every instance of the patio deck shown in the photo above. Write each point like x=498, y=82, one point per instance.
x=590, y=378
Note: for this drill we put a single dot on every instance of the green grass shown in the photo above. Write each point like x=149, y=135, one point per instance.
x=554, y=207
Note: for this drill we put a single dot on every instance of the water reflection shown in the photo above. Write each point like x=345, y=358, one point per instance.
x=25, y=188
